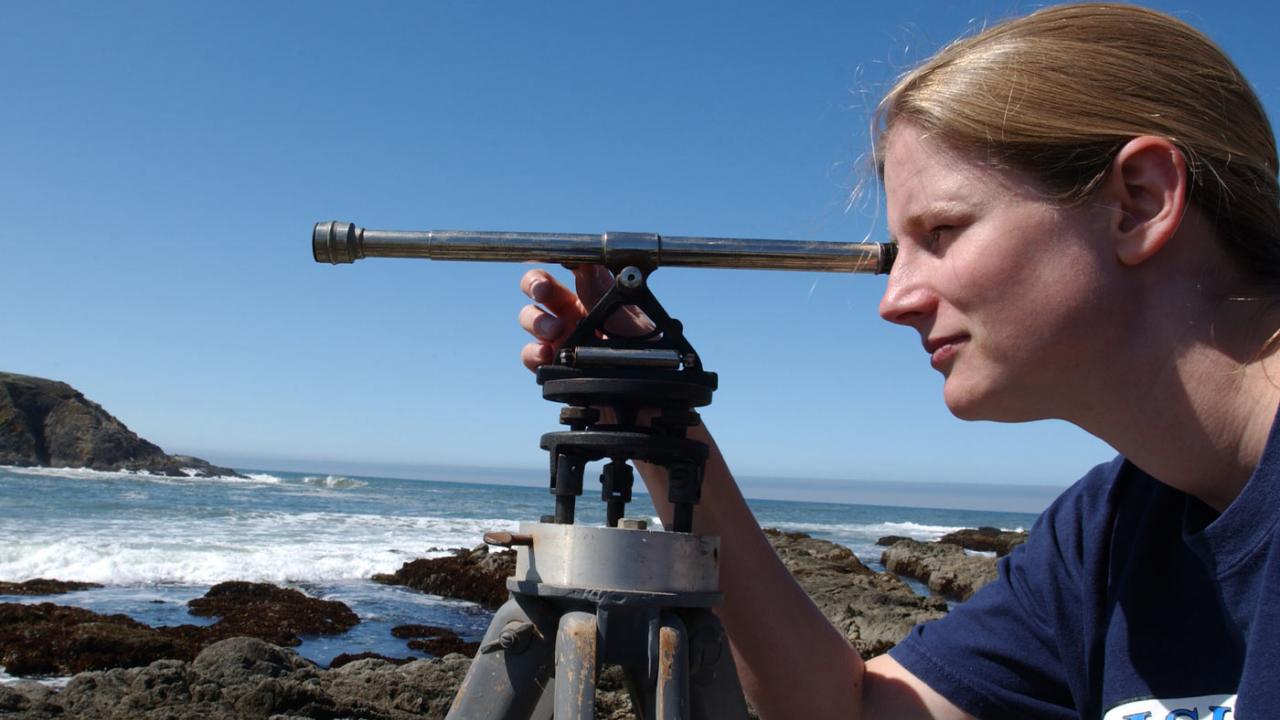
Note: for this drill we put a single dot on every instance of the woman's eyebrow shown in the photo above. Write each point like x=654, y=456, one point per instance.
x=949, y=209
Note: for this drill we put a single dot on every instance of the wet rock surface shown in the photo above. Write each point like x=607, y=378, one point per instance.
x=434, y=640
x=49, y=639
x=44, y=586
x=945, y=568
x=986, y=539
x=48, y=423
x=477, y=575
x=275, y=614
x=246, y=678
x=873, y=610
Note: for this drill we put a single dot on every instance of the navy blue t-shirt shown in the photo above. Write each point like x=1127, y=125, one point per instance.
x=1129, y=601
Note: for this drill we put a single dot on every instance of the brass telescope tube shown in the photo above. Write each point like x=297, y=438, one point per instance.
x=339, y=242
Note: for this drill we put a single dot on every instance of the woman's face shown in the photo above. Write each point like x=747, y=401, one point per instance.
x=1010, y=293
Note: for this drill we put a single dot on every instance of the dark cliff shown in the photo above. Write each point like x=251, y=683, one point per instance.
x=51, y=424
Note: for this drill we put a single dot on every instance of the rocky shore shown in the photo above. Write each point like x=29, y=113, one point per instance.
x=237, y=668
x=46, y=423
x=945, y=566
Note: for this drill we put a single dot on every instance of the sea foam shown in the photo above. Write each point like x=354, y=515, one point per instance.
x=189, y=475
x=264, y=547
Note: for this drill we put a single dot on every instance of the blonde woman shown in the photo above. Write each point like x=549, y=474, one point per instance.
x=1085, y=201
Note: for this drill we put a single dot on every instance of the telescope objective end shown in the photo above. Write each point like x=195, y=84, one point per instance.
x=336, y=242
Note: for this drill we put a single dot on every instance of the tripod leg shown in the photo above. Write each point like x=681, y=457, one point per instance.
x=640, y=691
x=576, y=652
x=716, y=690
x=507, y=676
x=673, y=669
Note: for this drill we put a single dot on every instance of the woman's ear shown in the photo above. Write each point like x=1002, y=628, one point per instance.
x=1147, y=185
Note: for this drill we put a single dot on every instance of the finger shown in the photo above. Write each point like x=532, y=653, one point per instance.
x=540, y=323
x=535, y=354
x=560, y=300
x=592, y=282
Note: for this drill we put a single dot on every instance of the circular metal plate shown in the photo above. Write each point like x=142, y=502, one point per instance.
x=615, y=559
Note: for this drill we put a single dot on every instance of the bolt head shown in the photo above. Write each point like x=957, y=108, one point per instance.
x=630, y=278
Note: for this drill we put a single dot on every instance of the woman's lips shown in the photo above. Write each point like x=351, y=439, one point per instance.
x=943, y=350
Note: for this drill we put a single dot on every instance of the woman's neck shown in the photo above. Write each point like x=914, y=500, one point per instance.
x=1199, y=420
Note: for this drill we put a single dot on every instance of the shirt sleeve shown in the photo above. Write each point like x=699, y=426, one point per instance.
x=1015, y=649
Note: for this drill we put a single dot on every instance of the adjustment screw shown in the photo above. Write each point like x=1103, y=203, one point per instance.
x=507, y=539
x=514, y=638
x=565, y=357
x=689, y=360
x=630, y=278
x=633, y=524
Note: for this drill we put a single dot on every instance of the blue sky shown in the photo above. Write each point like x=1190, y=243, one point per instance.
x=163, y=164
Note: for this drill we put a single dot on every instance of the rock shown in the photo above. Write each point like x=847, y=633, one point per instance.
x=237, y=678
x=873, y=610
x=346, y=658
x=419, y=689
x=476, y=575
x=946, y=568
x=271, y=613
x=437, y=641
x=31, y=693
x=44, y=586
x=239, y=660
x=888, y=540
x=51, y=424
x=48, y=639
x=986, y=539
x=258, y=679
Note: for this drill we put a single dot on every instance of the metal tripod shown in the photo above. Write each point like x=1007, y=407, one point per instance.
x=583, y=597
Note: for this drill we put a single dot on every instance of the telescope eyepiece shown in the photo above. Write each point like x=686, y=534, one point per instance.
x=336, y=242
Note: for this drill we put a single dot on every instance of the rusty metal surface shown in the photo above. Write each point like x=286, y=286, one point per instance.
x=577, y=667
x=672, y=689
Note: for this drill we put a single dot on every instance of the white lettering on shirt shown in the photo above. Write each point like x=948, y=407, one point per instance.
x=1204, y=707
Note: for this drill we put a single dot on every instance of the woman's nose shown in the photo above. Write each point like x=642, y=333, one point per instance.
x=907, y=297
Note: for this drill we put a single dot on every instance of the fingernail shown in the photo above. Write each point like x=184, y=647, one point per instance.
x=539, y=290
x=546, y=327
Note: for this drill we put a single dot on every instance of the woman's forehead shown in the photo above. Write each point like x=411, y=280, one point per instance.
x=922, y=171
x=919, y=169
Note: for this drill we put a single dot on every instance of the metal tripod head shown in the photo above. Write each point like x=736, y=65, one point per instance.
x=654, y=373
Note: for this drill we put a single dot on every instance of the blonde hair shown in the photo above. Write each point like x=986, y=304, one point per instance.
x=1057, y=93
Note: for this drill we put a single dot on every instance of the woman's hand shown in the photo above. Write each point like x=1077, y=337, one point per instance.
x=556, y=310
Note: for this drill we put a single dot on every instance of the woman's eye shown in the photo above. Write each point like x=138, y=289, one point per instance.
x=937, y=234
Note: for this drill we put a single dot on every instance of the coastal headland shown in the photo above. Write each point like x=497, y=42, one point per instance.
x=47, y=423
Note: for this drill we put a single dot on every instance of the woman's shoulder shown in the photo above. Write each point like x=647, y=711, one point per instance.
x=1106, y=486
x=1080, y=521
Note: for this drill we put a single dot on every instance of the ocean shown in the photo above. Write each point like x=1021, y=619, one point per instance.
x=156, y=542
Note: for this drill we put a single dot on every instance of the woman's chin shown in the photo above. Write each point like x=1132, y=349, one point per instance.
x=968, y=402
x=965, y=409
